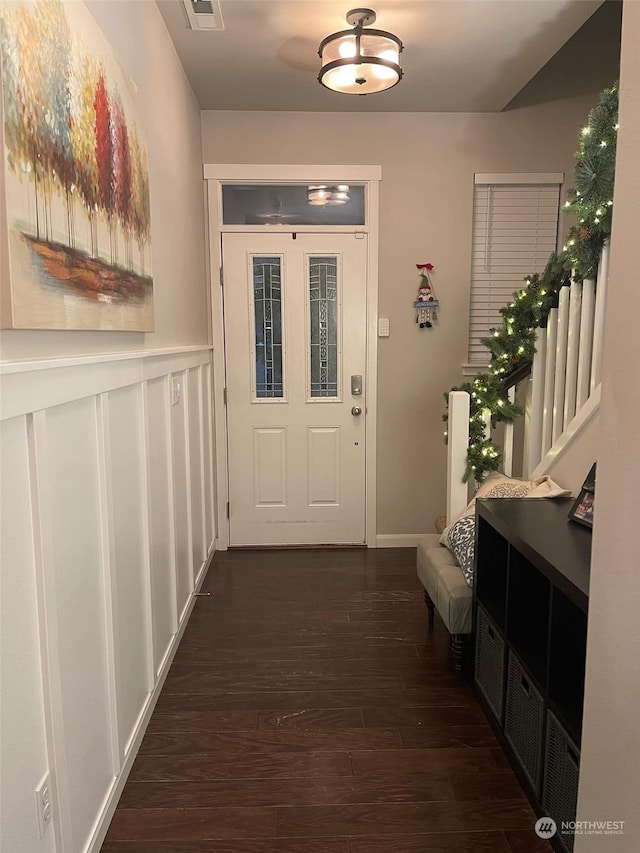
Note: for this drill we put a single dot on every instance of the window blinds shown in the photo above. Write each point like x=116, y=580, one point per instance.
x=515, y=229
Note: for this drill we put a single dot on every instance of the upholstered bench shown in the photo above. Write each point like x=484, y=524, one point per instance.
x=446, y=573
x=446, y=590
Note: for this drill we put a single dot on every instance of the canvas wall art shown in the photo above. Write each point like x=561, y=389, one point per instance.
x=75, y=176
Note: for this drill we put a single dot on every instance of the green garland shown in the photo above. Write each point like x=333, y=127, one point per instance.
x=512, y=345
x=591, y=201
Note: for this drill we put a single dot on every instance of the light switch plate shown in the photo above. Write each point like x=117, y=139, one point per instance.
x=383, y=327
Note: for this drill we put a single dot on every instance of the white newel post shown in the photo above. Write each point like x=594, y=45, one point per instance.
x=457, y=446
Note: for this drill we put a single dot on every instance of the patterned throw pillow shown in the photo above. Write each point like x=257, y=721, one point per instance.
x=496, y=485
x=460, y=540
x=506, y=489
x=459, y=537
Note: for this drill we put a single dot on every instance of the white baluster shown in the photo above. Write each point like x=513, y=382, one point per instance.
x=507, y=451
x=561, y=364
x=573, y=347
x=535, y=405
x=457, y=446
x=586, y=342
x=549, y=377
x=598, y=326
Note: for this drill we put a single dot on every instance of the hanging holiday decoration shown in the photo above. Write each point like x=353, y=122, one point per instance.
x=511, y=346
x=426, y=302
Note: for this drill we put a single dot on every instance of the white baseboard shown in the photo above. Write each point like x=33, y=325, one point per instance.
x=398, y=540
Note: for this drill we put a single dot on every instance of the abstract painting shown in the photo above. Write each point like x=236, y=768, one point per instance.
x=75, y=176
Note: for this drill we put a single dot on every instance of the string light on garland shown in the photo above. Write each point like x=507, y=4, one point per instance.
x=513, y=343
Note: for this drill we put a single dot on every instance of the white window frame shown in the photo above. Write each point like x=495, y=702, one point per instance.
x=481, y=234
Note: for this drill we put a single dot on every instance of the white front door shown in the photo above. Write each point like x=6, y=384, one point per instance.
x=295, y=332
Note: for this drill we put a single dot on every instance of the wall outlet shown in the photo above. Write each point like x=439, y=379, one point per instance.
x=176, y=390
x=43, y=804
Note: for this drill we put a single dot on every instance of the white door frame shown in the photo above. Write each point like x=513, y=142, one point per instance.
x=217, y=174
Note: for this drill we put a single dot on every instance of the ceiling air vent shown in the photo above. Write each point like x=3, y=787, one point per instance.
x=204, y=14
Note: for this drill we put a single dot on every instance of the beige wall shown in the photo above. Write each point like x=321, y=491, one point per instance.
x=610, y=774
x=171, y=116
x=428, y=162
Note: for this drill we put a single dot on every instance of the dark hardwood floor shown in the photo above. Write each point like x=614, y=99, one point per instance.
x=310, y=709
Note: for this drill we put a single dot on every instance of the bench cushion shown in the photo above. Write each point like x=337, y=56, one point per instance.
x=445, y=583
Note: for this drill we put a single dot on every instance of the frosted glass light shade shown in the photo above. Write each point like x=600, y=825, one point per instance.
x=360, y=61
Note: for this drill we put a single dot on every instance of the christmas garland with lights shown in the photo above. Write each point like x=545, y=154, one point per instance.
x=512, y=345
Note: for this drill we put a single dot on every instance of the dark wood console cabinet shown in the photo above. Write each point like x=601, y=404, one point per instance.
x=531, y=597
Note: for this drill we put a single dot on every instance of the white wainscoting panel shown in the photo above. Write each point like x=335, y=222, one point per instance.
x=207, y=457
x=128, y=556
x=107, y=521
x=181, y=496
x=23, y=748
x=76, y=591
x=161, y=524
x=196, y=472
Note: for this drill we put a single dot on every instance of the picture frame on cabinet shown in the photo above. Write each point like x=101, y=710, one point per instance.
x=583, y=508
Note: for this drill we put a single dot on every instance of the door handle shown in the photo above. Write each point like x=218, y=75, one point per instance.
x=356, y=410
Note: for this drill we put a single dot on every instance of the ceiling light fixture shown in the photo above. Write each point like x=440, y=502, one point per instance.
x=322, y=194
x=359, y=61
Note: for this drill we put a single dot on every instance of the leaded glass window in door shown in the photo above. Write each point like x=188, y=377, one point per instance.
x=323, y=309
x=267, y=306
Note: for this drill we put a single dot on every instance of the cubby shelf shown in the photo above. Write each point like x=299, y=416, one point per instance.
x=531, y=597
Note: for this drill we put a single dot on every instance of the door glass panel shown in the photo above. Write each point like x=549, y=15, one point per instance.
x=288, y=204
x=267, y=306
x=323, y=307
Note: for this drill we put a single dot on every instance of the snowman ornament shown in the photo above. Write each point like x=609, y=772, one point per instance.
x=426, y=301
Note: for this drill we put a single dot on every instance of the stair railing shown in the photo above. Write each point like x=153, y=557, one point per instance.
x=563, y=392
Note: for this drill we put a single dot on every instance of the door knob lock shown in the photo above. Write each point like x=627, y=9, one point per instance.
x=356, y=410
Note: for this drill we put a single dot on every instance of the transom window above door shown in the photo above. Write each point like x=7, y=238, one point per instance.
x=318, y=203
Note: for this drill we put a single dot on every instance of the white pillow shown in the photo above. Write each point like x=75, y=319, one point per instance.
x=546, y=488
